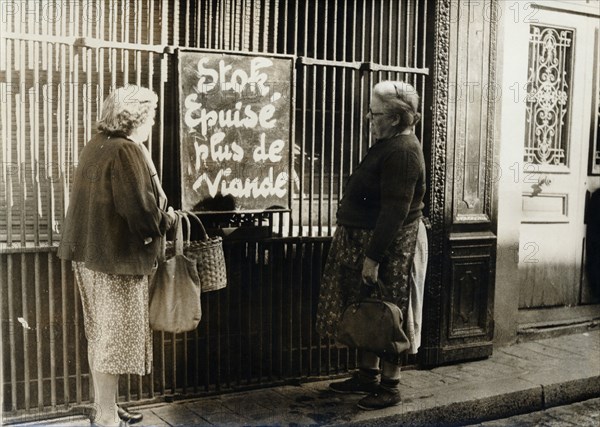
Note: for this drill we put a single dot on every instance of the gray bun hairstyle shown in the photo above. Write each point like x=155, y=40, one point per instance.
x=399, y=98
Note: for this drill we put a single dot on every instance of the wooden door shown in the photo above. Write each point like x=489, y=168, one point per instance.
x=555, y=148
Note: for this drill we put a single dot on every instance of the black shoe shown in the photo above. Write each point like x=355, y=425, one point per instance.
x=130, y=417
x=354, y=385
x=382, y=398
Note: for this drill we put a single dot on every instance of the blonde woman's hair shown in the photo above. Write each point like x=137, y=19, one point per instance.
x=399, y=98
x=127, y=108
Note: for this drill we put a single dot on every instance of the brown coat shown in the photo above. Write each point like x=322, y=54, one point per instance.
x=113, y=207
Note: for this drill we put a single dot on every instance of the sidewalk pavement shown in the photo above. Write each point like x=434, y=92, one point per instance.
x=517, y=379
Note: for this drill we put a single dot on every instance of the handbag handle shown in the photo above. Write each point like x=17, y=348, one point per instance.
x=380, y=286
x=203, y=233
x=178, y=234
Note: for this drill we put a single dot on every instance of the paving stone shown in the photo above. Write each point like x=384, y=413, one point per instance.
x=425, y=379
x=179, y=415
x=207, y=407
x=151, y=419
x=549, y=348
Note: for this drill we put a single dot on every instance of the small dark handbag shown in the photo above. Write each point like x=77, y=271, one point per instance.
x=175, y=290
x=373, y=324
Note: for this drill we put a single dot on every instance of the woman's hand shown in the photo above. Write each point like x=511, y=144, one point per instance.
x=370, y=271
x=172, y=217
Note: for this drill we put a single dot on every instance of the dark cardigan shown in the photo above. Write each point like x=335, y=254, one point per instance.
x=385, y=191
x=113, y=207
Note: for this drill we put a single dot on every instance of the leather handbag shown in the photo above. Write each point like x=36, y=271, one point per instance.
x=373, y=324
x=175, y=290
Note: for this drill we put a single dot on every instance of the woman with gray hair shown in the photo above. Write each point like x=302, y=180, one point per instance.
x=116, y=218
x=378, y=221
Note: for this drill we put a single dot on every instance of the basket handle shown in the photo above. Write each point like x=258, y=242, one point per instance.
x=203, y=233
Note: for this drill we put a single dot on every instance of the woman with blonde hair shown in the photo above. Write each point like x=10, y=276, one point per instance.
x=378, y=225
x=116, y=218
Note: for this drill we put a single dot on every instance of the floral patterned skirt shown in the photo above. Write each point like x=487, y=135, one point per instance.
x=115, y=314
x=341, y=283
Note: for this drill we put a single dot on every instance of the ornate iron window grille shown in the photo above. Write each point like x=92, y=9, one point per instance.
x=548, y=95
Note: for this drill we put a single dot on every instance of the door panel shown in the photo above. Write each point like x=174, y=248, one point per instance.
x=555, y=149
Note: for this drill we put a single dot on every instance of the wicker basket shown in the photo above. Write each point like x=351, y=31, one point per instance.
x=209, y=256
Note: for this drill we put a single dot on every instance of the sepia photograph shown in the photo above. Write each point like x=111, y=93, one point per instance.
x=300, y=213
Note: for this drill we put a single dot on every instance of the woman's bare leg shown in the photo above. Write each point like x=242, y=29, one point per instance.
x=105, y=387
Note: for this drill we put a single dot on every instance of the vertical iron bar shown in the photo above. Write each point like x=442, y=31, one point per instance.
x=342, y=109
x=299, y=304
x=11, y=331
x=207, y=352
x=228, y=343
x=65, y=334
x=218, y=343
x=322, y=154
x=163, y=368
x=270, y=318
x=196, y=360
x=309, y=298
x=334, y=83
x=251, y=261
x=197, y=20
x=316, y=268
x=34, y=114
x=25, y=314
x=219, y=346
x=52, y=330
x=261, y=263
x=239, y=248
x=186, y=40
x=10, y=113
x=173, y=362
x=389, y=36
x=423, y=64
x=290, y=313
x=311, y=184
x=175, y=17
x=352, y=90
x=49, y=142
x=407, y=35
x=243, y=26
x=315, y=69
x=286, y=251
x=208, y=24
x=285, y=26
x=4, y=319
x=38, y=331
x=76, y=328
x=125, y=38
x=185, y=362
x=361, y=85
x=21, y=138
x=398, y=35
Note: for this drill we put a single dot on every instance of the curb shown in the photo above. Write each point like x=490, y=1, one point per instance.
x=488, y=408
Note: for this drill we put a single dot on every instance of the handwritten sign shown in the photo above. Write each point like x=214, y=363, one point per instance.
x=235, y=131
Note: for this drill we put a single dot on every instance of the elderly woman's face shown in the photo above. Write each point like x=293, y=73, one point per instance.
x=146, y=128
x=382, y=122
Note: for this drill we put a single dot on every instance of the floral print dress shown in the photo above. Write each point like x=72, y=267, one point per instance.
x=115, y=312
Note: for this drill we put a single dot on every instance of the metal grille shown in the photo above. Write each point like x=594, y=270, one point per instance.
x=58, y=61
x=258, y=331
x=549, y=90
x=58, y=71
